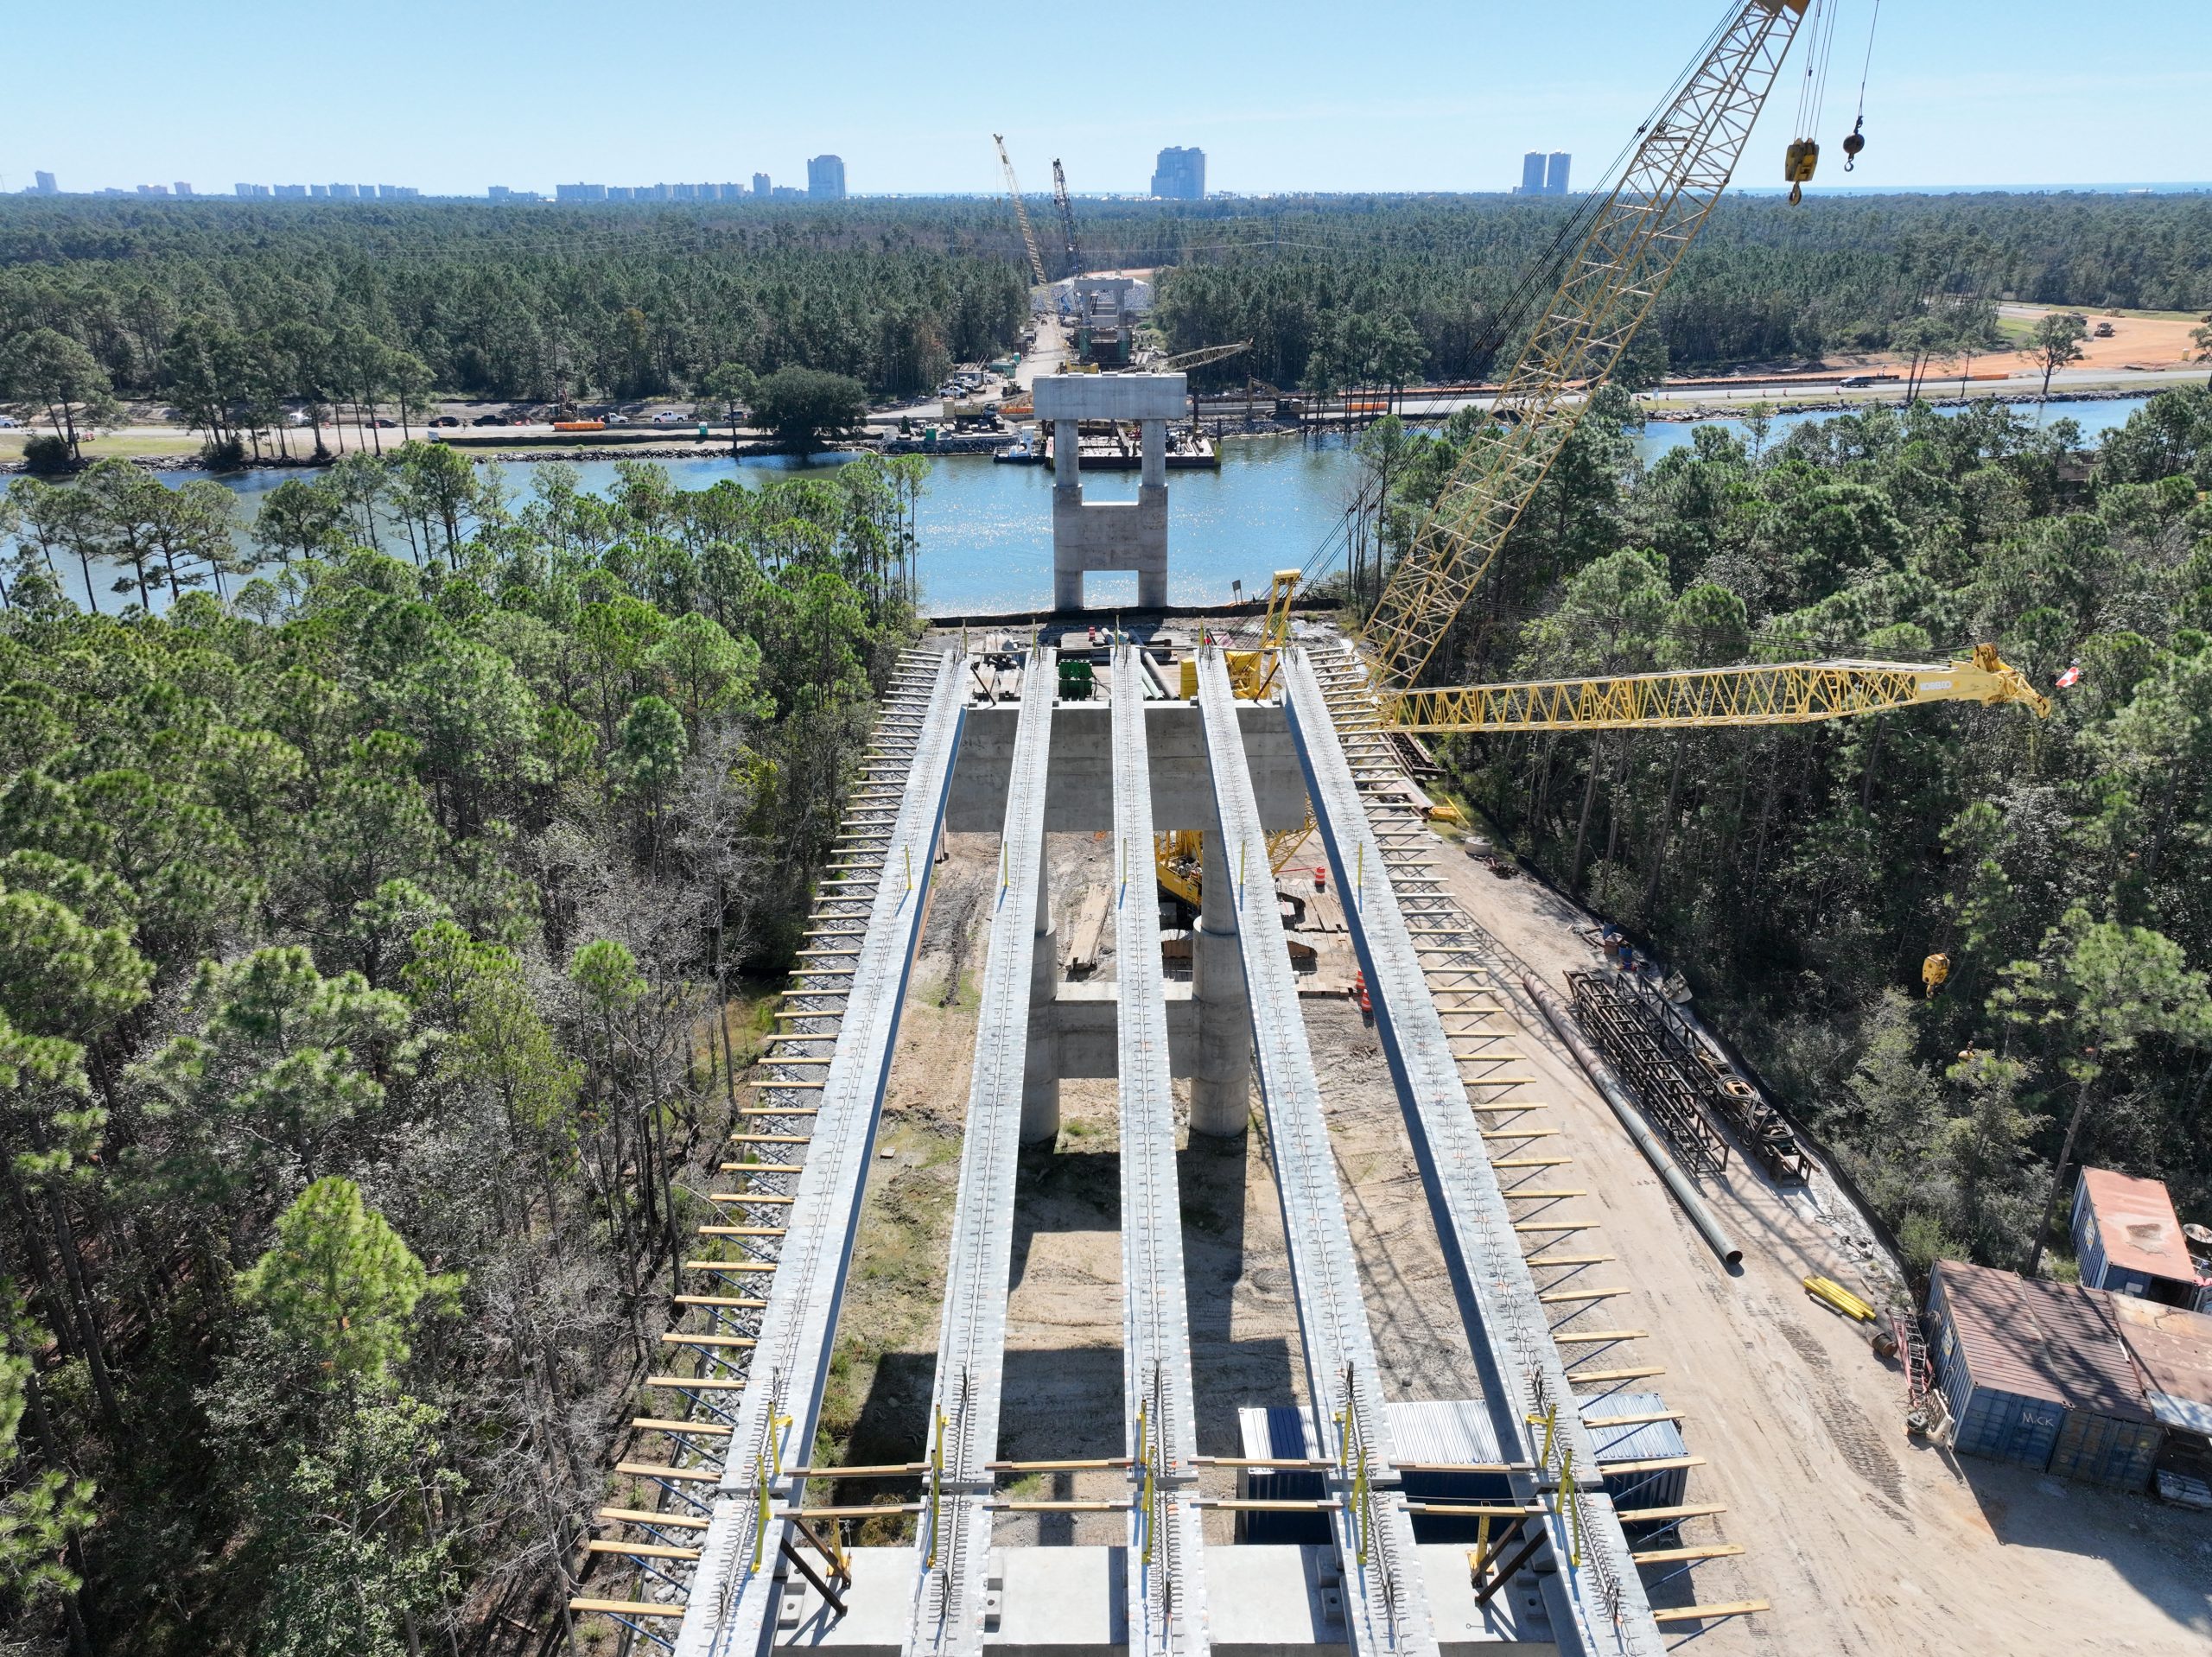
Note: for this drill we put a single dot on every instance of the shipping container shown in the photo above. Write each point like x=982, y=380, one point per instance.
x=2036, y=1373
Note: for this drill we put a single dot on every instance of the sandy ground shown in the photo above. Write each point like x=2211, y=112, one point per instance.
x=2137, y=340
x=1862, y=1539
x=1865, y=1542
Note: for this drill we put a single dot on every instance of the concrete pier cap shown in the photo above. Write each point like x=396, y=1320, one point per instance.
x=1110, y=535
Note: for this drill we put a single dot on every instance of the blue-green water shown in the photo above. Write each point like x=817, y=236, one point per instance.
x=986, y=530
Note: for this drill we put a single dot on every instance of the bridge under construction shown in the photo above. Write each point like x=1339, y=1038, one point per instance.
x=733, y=1559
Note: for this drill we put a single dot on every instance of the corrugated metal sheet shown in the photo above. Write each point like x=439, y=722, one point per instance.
x=2136, y=1225
x=2097, y=1450
x=2052, y=1342
x=2173, y=1349
x=1645, y=1442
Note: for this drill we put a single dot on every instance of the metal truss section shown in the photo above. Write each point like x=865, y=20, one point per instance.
x=1668, y=1092
x=953, y=1543
x=1165, y=1573
x=867, y=922
x=1789, y=693
x=1597, y=1602
x=1386, y=1604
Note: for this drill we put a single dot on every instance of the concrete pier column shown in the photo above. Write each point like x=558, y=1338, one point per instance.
x=1040, y=1072
x=1152, y=449
x=1221, y=1087
x=1067, y=456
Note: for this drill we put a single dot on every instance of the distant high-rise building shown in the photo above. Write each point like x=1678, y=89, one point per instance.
x=1556, y=173
x=153, y=189
x=322, y=190
x=251, y=190
x=579, y=193
x=825, y=179
x=182, y=188
x=621, y=193
x=1180, y=174
x=787, y=193
x=1532, y=173
x=760, y=184
x=292, y=191
x=43, y=184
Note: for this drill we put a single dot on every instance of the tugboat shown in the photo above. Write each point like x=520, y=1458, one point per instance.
x=1028, y=449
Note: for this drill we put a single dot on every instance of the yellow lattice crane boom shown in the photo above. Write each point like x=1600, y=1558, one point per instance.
x=1635, y=240
x=1021, y=214
x=1796, y=693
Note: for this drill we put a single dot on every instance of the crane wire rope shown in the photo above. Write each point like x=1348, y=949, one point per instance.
x=1857, y=140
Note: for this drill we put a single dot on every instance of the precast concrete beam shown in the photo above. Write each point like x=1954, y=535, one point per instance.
x=1385, y=1603
x=1165, y=1573
x=1598, y=1608
x=731, y=1609
x=952, y=1555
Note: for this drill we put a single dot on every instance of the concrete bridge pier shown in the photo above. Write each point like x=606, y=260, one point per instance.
x=1221, y=1089
x=1114, y=534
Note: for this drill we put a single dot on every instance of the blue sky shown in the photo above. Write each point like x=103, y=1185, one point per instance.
x=1380, y=94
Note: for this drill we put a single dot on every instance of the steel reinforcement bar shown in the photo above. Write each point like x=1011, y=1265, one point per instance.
x=1596, y=1603
x=1165, y=1573
x=1385, y=1603
x=953, y=1540
x=1667, y=1089
x=873, y=927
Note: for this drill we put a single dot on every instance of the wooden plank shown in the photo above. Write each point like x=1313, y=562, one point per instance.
x=654, y=1470
x=755, y=1265
x=1554, y=1225
x=1542, y=1197
x=1521, y=1132
x=1675, y=1555
x=849, y=1512
x=1571, y=1260
x=1589, y=1336
x=697, y=1383
x=1565, y=1297
x=720, y=1300
x=880, y=1470
x=637, y=1516
x=1640, y=1373
x=742, y=1231
x=626, y=1608
x=702, y=1429
x=1655, y=1464
x=774, y=1201
x=1058, y=1467
x=1644, y=1419
x=1690, y=1510
x=678, y=1338
x=1706, y=1613
x=642, y=1550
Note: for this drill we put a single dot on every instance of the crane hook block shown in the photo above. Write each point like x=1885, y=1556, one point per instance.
x=1934, y=971
x=1797, y=166
x=1854, y=144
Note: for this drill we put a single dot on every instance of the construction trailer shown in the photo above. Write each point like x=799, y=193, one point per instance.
x=2128, y=1240
x=2036, y=1373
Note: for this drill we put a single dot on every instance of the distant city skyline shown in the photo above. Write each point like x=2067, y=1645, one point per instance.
x=529, y=96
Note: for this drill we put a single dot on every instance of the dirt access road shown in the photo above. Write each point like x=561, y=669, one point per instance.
x=1863, y=1540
